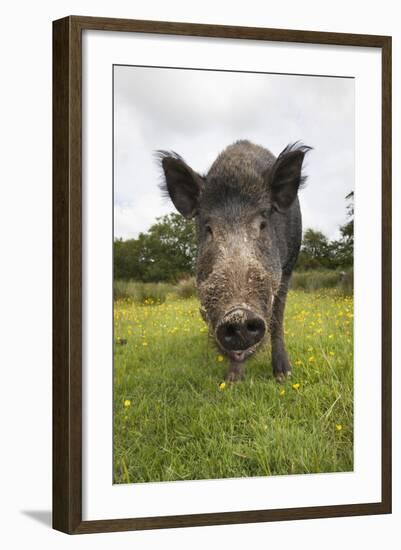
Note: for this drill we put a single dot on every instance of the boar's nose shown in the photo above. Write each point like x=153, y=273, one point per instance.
x=240, y=329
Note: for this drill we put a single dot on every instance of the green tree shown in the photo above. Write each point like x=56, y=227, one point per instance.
x=165, y=253
x=343, y=249
x=315, y=251
x=318, y=252
x=128, y=259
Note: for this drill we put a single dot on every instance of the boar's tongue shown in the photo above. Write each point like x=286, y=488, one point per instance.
x=238, y=355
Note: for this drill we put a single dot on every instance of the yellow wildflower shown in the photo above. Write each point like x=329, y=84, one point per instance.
x=220, y=358
x=222, y=386
x=127, y=403
x=339, y=427
x=296, y=386
x=282, y=392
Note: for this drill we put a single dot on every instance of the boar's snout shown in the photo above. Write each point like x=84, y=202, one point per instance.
x=240, y=329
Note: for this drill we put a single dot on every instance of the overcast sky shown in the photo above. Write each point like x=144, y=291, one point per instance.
x=198, y=113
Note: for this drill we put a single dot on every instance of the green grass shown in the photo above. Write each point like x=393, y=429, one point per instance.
x=313, y=280
x=172, y=421
x=186, y=288
x=141, y=292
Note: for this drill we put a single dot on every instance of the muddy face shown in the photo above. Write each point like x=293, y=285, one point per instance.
x=249, y=230
x=238, y=274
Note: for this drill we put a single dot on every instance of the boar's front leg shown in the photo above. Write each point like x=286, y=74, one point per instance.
x=281, y=363
x=235, y=372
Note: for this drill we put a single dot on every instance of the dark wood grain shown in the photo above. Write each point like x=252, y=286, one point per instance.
x=226, y=518
x=67, y=277
x=226, y=31
x=386, y=275
x=67, y=274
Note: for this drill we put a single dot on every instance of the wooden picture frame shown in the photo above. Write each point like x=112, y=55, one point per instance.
x=67, y=273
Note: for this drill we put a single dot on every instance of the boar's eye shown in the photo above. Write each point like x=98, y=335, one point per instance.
x=209, y=231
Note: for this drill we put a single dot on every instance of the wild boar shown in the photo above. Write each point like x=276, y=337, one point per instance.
x=249, y=231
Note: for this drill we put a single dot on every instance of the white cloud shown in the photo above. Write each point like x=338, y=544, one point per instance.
x=199, y=113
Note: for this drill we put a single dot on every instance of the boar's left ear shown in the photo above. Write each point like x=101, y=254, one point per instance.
x=285, y=176
x=181, y=184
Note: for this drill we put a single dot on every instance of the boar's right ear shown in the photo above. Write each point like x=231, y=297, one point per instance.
x=285, y=176
x=181, y=184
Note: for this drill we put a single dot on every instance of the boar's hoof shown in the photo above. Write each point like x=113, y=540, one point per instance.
x=281, y=377
x=235, y=373
x=281, y=368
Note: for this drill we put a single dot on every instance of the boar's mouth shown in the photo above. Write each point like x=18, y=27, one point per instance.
x=240, y=356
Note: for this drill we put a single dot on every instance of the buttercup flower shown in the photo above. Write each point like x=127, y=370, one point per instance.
x=339, y=427
x=220, y=358
x=127, y=403
x=222, y=386
x=296, y=386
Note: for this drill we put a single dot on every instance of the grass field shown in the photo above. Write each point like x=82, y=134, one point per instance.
x=175, y=420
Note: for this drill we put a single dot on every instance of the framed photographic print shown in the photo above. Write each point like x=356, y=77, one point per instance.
x=221, y=274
